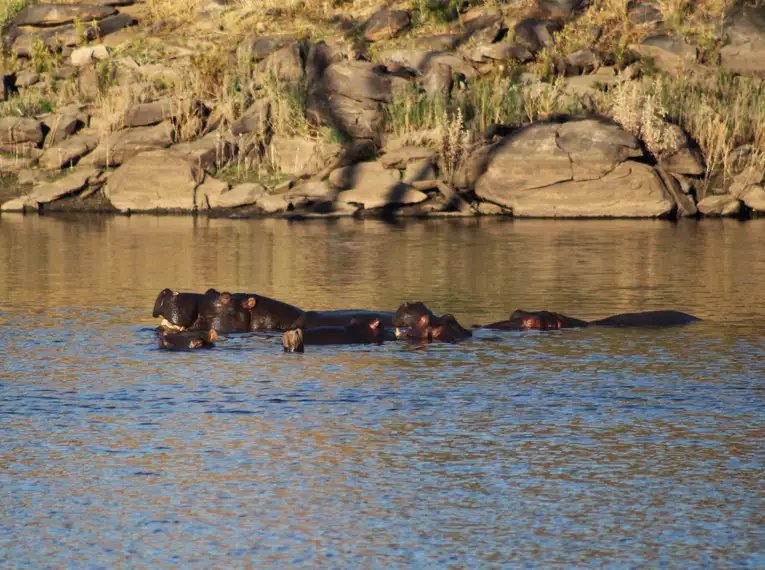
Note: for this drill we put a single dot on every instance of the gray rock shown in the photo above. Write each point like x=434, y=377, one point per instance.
x=363, y=175
x=359, y=80
x=400, y=157
x=68, y=36
x=583, y=61
x=239, y=195
x=50, y=191
x=266, y=45
x=419, y=170
x=641, y=13
x=751, y=175
x=27, y=78
x=720, y=206
x=595, y=148
x=285, y=63
x=124, y=144
x=385, y=24
x=439, y=42
x=744, y=51
x=64, y=124
x=501, y=52
x=481, y=25
x=56, y=14
x=685, y=161
x=210, y=152
x=381, y=196
x=208, y=192
x=560, y=8
x=536, y=34
x=318, y=58
x=754, y=197
x=254, y=121
x=685, y=205
x=153, y=180
x=19, y=130
x=352, y=118
x=633, y=190
x=68, y=152
x=145, y=114
x=669, y=53
x=438, y=81
x=419, y=62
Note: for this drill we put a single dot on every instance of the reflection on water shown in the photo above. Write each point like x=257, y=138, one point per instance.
x=587, y=448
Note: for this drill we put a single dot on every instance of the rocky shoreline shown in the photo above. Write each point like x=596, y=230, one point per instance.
x=348, y=152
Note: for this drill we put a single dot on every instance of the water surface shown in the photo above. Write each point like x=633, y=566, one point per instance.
x=584, y=448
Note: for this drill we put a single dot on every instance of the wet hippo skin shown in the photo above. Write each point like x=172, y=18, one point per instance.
x=358, y=332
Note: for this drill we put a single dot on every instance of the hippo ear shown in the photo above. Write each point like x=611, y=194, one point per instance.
x=175, y=293
x=211, y=291
x=374, y=324
x=517, y=314
x=249, y=303
x=225, y=298
x=424, y=320
x=212, y=336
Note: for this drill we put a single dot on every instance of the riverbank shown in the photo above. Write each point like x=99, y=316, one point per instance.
x=316, y=109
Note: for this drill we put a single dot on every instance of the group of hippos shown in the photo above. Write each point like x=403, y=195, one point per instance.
x=193, y=320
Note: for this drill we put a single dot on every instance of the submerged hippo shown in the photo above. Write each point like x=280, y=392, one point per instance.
x=187, y=340
x=547, y=320
x=358, y=332
x=340, y=318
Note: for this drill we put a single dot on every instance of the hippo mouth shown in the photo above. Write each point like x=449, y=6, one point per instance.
x=167, y=325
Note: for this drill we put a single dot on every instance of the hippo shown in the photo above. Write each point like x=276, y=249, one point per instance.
x=341, y=318
x=358, y=332
x=223, y=312
x=179, y=311
x=187, y=340
x=184, y=311
x=424, y=325
x=545, y=320
x=268, y=314
x=647, y=319
x=536, y=320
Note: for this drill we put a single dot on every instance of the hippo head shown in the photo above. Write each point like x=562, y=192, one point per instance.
x=444, y=328
x=229, y=312
x=292, y=341
x=371, y=330
x=409, y=314
x=178, y=310
x=538, y=321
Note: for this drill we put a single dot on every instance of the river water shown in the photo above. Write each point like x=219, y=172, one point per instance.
x=579, y=448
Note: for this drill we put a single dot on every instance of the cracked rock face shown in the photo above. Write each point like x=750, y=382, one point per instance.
x=577, y=169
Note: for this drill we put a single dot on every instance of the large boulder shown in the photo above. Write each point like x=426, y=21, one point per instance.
x=69, y=35
x=254, y=121
x=350, y=117
x=363, y=175
x=19, y=130
x=64, y=123
x=536, y=34
x=57, y=14
x=359, y=80
x=669, y=53
x=121, y=145
x=146, y=114
x=560, y=8
x=381, y=196
x=68, y=152
x=153, y=180
x=210, y=152
x=724, y=205
x=386, y=24
x=577, y=169
x=240, y=195
x=744, y=51
x=633, y=190
x=400, y=157
x=420, y=61
x=286, y=63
